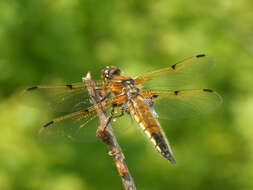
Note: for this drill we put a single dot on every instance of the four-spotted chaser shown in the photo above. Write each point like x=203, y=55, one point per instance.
x=131, y=96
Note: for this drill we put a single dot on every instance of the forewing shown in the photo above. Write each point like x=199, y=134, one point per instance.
x=185, y=103
x=58, y=98
x=69, y=105
x=180, y=74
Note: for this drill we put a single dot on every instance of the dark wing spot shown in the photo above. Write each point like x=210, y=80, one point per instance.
x=49, y=123
x=207, y=90
x=173, y=66
x=200, y=55
x=176, y=92
x=69, y=86
x=155, y=96
x=32, y=88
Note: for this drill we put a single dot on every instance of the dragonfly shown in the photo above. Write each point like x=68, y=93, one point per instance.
x=141, y=97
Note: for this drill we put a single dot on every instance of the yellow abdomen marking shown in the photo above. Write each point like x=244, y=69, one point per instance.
x=141, y=113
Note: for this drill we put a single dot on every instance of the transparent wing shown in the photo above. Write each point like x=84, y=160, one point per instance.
x=180, y=74
x=74, y=127
x=78, y=126
x=59, y=98
x=68, y=104
x=184, y=103
x=73, y=121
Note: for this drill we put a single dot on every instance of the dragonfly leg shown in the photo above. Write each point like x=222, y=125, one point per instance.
x=110, y=116
x=105, y=97
x=101, y=95
x=113, y=116
x=120, y=115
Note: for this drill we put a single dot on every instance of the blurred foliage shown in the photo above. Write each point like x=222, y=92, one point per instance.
x=46, y=41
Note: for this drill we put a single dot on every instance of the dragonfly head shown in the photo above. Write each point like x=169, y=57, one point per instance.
x=109, y=72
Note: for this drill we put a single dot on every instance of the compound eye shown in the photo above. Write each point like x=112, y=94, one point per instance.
x=106, y=73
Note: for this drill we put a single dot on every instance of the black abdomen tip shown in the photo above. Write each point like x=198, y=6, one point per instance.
x=200, y=55
x=49, y=123
x=170, y=158
x=32, y=88
x=207, y=90
x=164, y=147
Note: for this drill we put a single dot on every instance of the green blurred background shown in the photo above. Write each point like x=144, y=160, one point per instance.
x=45, y=41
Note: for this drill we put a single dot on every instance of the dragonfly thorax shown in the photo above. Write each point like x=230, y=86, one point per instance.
x=131, y=91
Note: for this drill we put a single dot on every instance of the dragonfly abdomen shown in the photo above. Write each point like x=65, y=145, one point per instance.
x=141, y=113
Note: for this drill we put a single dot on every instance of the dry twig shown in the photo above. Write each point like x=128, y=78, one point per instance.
x=105, y=133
